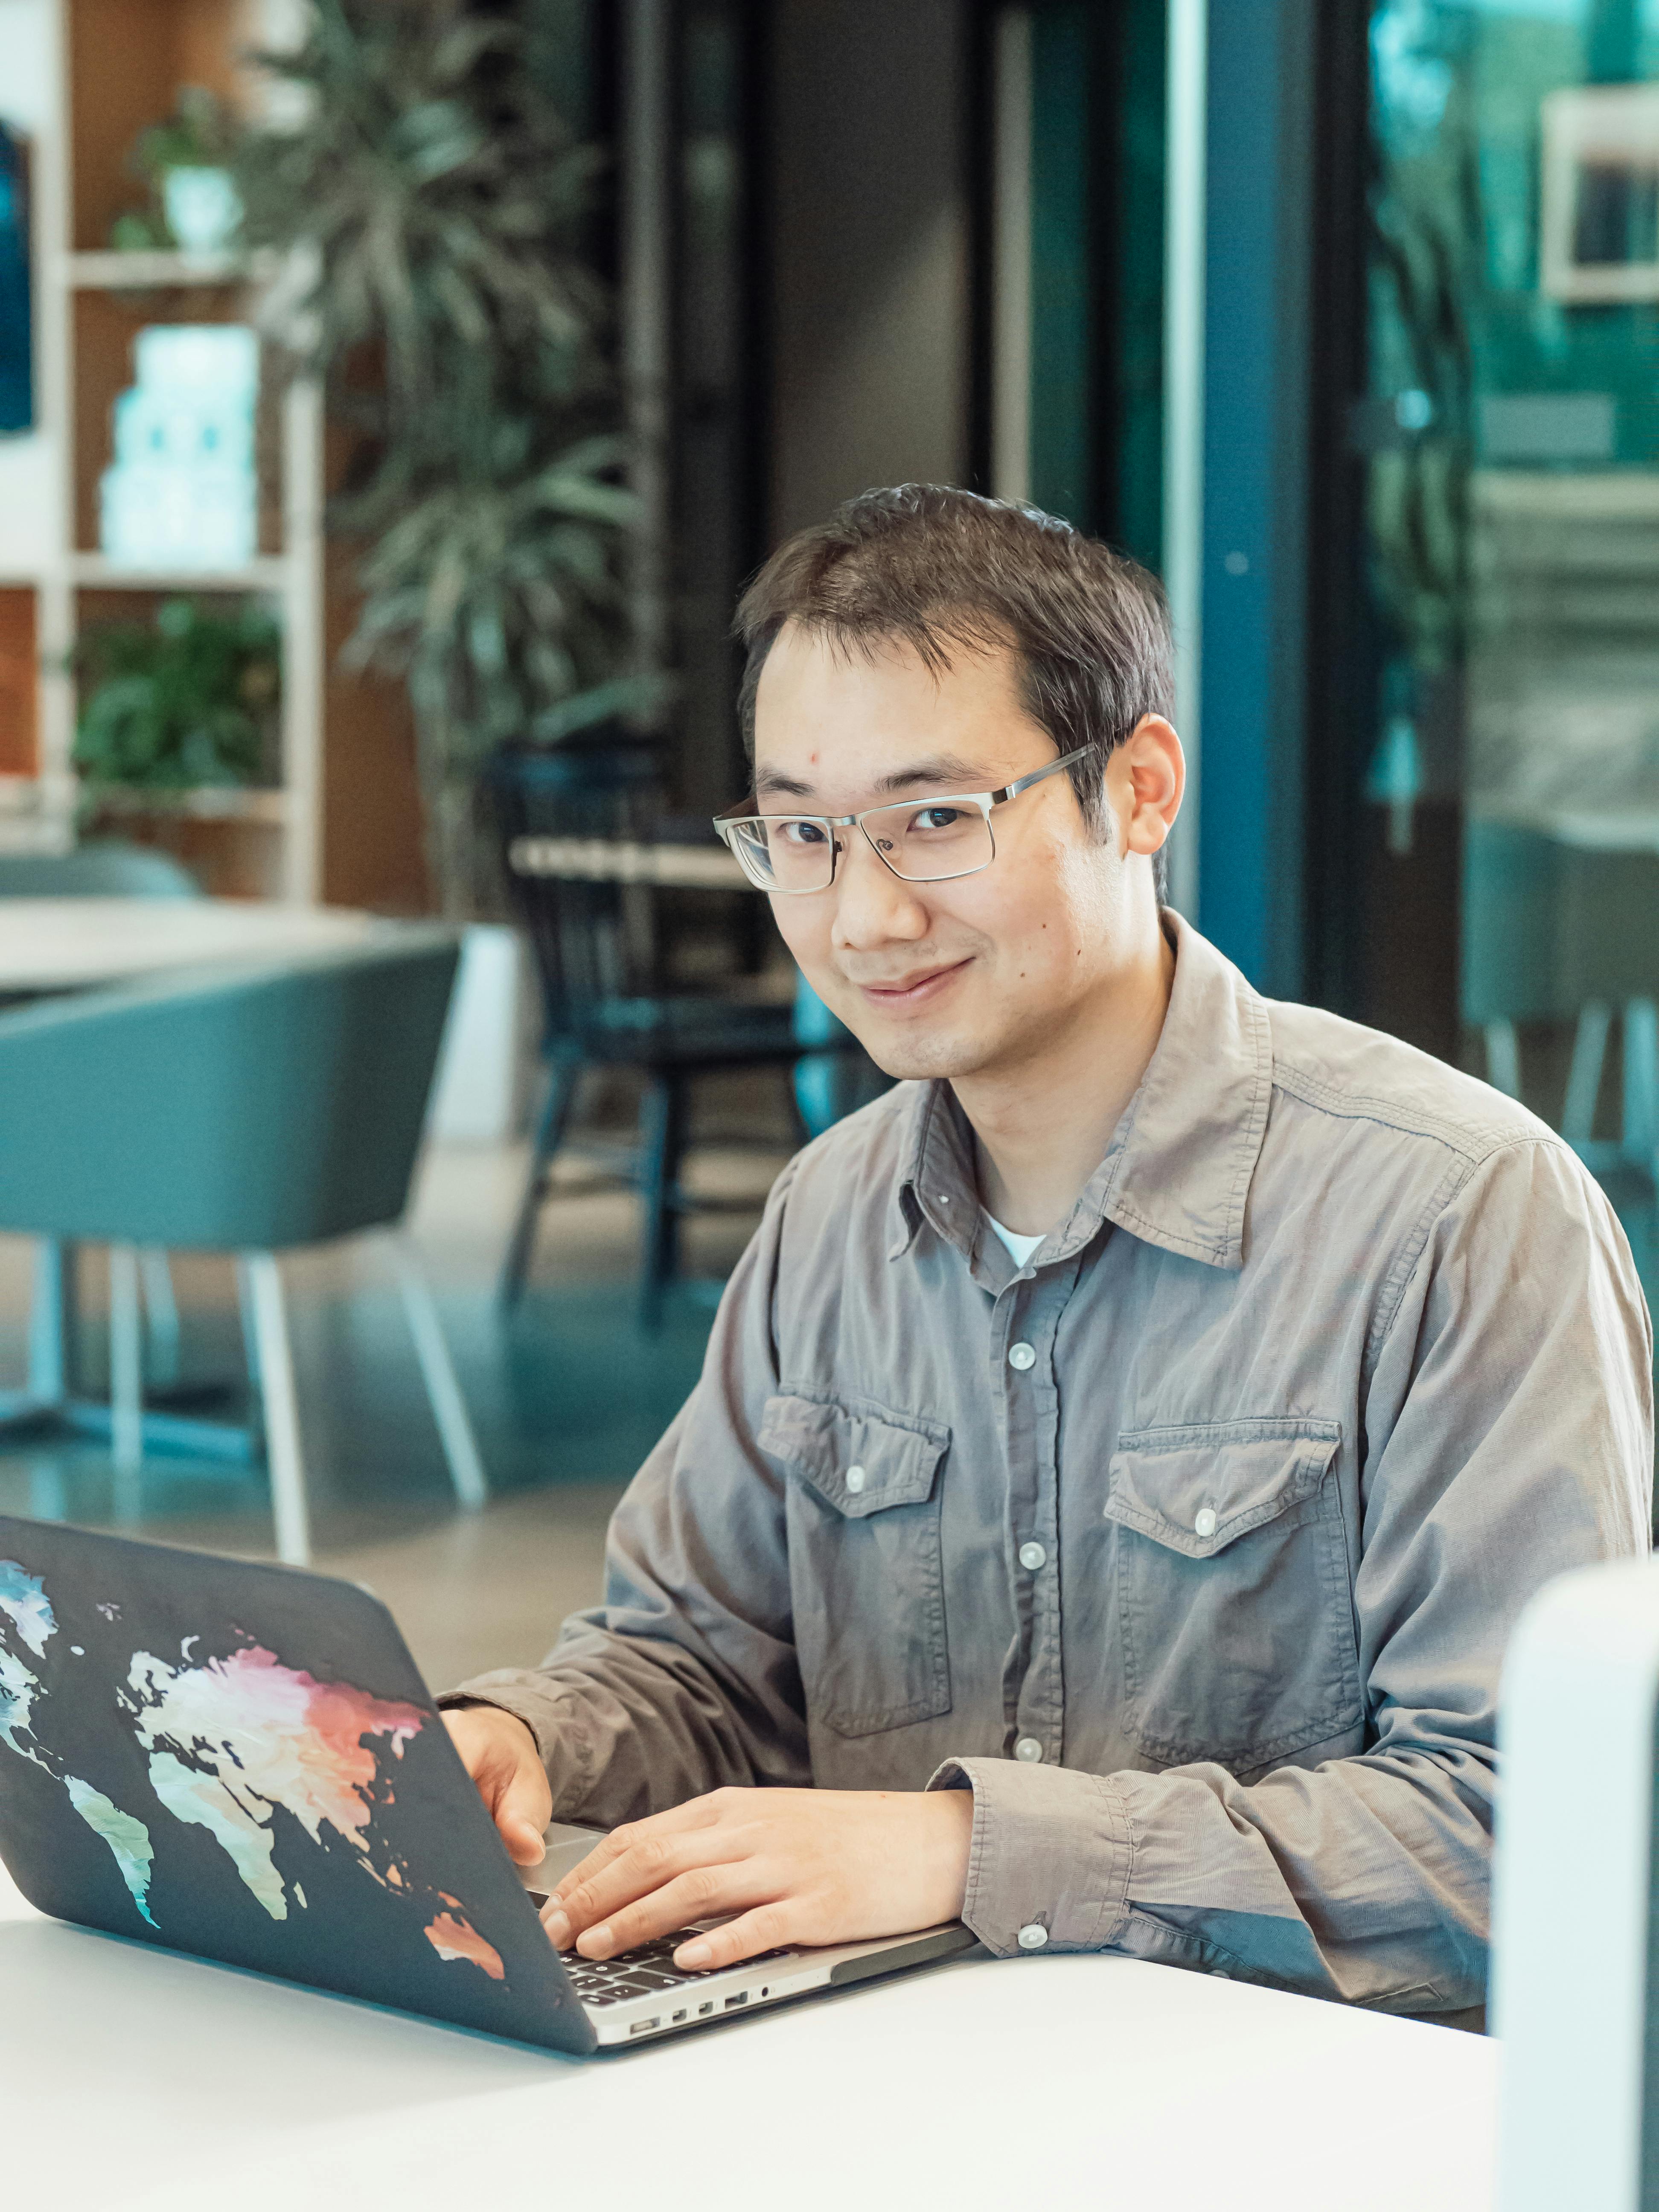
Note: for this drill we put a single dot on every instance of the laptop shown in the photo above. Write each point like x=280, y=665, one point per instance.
x=242, y=1763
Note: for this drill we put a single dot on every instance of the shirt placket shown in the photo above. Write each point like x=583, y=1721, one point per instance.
x=1024, y=1325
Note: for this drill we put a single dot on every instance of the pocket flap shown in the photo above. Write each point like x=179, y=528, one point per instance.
x=1197, y=1489
x=858, y=1456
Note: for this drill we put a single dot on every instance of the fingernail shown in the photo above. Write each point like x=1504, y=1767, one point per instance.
x=558, y=1929
x=599, y=1942
x=693, y=1954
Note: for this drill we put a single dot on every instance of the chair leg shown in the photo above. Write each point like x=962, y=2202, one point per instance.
x=1503, y=1058
x=549, y=1135
x=162, y=1309
x=1641, y=1085
x=282, y=1412
x=438, y=1373
x=245, y=1315
x=1589, y=1052
x=662, y=1145
x=126, y=1362
x=52, y=1318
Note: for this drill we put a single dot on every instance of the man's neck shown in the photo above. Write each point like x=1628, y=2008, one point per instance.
x=1043, y=1127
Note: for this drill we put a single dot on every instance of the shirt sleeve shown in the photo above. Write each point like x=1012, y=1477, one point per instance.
x=685, y=1679
x=1509, y=1428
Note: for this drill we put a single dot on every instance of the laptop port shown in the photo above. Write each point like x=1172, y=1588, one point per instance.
x=742, y=1998
x=703, y=2010
x=644, y=2026
x=678, y=2018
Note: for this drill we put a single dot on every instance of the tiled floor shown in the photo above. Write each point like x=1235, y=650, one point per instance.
x=566, y=1399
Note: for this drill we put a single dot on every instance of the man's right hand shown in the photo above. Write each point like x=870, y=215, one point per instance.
x=500, y=1753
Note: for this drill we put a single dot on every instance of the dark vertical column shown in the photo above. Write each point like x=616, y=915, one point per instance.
x=1064, y=272
x=1344, y=649
x=1259, y=215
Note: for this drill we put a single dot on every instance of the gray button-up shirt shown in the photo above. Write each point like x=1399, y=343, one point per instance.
x=1191, y=1546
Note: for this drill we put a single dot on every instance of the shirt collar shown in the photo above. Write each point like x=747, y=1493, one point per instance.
x=1178, y=1172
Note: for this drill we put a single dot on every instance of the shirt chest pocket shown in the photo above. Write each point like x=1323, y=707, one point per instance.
x=1232, y=1590
x=866, y=1571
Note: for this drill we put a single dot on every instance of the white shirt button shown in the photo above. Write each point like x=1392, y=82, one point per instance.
x=1021, y=1356
x=1028, y=1749
x=1032, y=1555
x=1204, y=1523
x=855, y=1479
x=1033, y=1936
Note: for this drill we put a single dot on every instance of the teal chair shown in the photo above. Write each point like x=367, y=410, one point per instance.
x=97, y=870
x=246, y=1110
x=102, y=868
x=1559, y=932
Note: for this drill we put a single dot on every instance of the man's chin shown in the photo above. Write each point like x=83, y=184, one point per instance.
x=911, y=1057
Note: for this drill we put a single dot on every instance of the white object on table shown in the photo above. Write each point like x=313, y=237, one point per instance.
x=146, y=2080
x=70, y=944
x=614, y=861
x=1578, y=1702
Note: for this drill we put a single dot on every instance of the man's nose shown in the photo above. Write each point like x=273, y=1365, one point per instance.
x=873, y=906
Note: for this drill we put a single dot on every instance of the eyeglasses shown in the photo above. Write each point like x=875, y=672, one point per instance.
x=925, y=841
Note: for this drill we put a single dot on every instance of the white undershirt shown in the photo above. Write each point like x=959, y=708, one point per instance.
x=1020, y=1249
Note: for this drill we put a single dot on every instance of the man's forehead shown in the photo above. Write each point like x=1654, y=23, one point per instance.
x=827, y=711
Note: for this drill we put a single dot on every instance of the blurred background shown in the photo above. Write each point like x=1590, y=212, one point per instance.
x=394, y=395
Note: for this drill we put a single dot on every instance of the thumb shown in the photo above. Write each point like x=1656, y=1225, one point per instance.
x=523, y=1807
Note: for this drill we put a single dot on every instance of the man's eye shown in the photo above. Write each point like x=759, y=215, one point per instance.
x=936, y=818
x=801, y=833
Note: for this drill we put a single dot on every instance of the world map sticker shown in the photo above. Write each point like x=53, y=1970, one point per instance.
x=226, y=1742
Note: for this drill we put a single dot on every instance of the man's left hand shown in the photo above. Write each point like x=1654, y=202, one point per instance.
x=795, y=1866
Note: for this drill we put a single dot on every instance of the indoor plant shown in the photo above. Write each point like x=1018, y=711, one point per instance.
x=189, y=699
x=437, y=206
x=193, y=198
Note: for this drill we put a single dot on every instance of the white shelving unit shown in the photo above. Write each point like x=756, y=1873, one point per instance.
x=56, y=563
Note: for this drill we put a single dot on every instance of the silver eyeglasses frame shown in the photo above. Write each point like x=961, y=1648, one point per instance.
x=729, y=823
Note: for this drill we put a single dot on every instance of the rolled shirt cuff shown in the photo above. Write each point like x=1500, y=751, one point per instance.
x=1053, y=1850
x=553, y=1716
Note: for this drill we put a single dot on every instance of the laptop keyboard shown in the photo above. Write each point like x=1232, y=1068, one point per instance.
x=639, y=1973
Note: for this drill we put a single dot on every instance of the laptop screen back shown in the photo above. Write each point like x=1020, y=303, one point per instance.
x=243, y=1763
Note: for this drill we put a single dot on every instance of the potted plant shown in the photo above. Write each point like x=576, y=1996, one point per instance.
x=437, y=205
x=194, y=203
x=190, y=699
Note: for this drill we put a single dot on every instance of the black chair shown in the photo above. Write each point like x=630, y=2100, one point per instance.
x=598, y=955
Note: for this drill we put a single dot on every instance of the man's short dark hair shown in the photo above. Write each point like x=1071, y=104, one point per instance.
x=933, y=567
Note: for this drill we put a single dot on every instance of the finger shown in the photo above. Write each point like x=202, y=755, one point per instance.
x=695, y=1813
x=522, y=1816
x=499, y=1751
x=767, y=1928
x=693, y=1896
x=645, y=1868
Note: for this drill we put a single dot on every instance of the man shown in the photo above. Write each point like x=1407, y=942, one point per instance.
x=1124, y=1449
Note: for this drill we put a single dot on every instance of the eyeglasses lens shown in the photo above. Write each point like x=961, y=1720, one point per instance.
x=928, y=840
x=924, y=841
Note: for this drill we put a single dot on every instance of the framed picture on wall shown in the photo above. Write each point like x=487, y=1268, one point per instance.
x=1599, y=205
x=16, y=319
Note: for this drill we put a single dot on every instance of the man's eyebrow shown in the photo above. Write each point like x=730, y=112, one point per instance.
x=771, y=779
x=941, y=770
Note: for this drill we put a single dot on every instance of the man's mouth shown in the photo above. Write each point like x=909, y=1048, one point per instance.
x=914, y=990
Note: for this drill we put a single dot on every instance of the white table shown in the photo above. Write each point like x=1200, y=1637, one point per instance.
x=68, y=944
x=132, y=2077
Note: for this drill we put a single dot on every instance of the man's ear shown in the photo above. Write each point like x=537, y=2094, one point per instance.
x=1145, y=780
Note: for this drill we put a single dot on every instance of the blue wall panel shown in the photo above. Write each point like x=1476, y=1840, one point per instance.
x=1259, y=130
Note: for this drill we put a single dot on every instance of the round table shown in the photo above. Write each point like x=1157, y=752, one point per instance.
x=71, y=943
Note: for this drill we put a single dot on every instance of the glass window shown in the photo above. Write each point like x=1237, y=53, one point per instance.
x=1509, y=436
